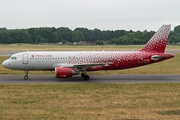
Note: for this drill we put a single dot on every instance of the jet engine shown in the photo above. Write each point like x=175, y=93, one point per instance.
x=64, y=72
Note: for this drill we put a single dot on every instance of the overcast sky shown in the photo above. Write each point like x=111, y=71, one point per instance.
x=102, y=14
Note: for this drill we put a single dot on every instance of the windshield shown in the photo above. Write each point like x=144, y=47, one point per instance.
x=13, y=58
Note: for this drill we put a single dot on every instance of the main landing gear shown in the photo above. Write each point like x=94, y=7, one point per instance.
x=85, y=76
x=26, y=75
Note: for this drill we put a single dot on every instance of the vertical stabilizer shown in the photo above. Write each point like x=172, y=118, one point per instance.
x=158, y=42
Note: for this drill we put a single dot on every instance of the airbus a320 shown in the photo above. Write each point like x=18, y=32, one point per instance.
x=67, y=64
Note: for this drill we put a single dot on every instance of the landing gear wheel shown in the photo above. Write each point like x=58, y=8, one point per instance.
x=86, y=77
x=25, y=77
x=82, y=75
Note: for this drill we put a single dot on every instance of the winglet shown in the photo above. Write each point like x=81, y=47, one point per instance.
x=158, y=42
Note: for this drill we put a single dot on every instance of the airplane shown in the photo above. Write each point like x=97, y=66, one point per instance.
x=69, y=63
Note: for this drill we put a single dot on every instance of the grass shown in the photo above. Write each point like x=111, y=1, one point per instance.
x=90, y=101
x=63, y=47
x=25, y=47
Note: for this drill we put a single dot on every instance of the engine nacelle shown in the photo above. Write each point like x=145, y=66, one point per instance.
x=63, y=72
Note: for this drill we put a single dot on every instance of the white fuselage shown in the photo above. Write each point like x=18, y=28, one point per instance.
x=50, y=60
x=84, y=59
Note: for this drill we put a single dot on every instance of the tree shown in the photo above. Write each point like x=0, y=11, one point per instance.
x=53, y=35
x=97, y=34
x=99, y=42
x=106, y=35
x=118, y=33
x=3, y=29
x=25, y=37
x=86, y=33
x=43, y=40
x=66, y=33
x=136, y=41
x=77, y=36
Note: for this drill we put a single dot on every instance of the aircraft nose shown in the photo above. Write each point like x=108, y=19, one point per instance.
x=5, y=64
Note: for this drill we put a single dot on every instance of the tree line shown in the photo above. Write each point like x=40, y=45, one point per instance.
x=95, y=36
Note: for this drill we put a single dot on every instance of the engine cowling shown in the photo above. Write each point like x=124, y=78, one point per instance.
x=63, y=72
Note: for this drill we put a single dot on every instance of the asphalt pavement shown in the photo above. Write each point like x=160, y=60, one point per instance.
x=48, y=79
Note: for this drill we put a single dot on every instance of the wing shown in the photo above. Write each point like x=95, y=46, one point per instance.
x=80, y=66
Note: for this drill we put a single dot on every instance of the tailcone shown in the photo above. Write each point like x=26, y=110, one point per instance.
x=168, y=55
x=163, y=56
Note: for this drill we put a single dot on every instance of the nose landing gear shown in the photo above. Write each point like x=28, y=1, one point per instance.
x=26, y=75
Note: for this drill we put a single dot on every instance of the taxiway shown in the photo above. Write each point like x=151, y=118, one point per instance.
x=49, y=79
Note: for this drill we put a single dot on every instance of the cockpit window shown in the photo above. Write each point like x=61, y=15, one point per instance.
x=13, y=58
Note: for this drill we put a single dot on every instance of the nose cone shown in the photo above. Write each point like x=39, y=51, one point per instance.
x=5, y=64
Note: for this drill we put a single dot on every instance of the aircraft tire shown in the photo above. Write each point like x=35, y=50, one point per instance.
x=25, y=77
x=86, y=77
x=82, y=75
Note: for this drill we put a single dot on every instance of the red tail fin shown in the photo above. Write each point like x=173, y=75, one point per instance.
x=158, y=42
